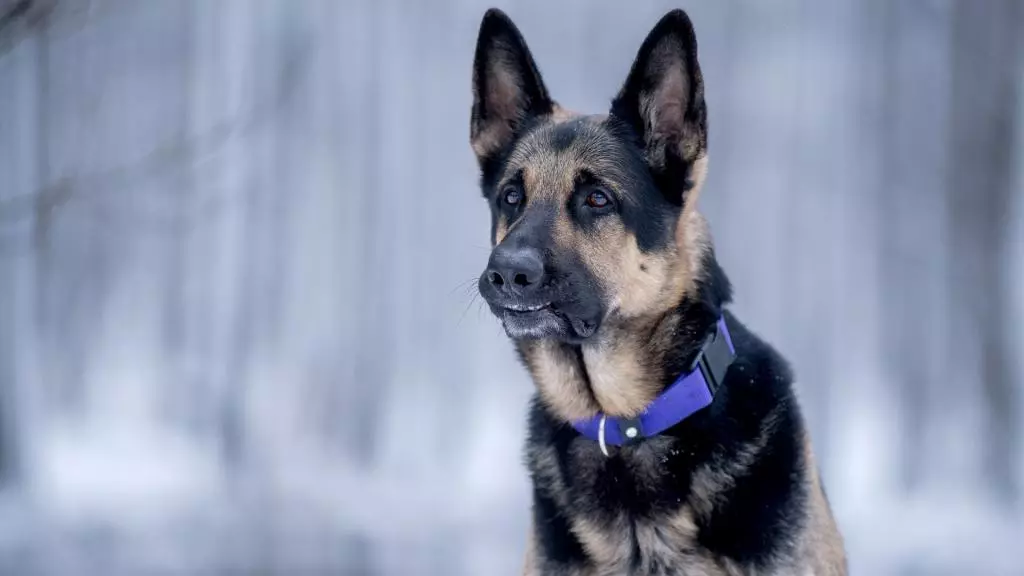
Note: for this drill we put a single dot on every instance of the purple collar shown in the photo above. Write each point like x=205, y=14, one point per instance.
x=692, y=391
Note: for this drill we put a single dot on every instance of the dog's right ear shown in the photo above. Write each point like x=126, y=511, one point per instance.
x=507, y=86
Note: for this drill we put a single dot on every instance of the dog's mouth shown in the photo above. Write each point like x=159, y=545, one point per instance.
x=542, y=320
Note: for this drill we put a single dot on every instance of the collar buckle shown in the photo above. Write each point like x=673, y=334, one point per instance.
x=631, y=431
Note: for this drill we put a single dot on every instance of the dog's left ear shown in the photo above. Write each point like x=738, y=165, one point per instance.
x=663, y=101
x=507, y=86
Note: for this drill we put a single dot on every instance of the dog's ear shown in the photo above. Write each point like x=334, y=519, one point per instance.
x=507, y=86
x=663, y=101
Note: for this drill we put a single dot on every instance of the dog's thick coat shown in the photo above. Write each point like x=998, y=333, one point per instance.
x=604, y=276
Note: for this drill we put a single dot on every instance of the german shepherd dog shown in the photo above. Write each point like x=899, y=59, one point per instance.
x=665, y=437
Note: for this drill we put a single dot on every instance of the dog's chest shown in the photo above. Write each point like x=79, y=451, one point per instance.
x=642, y=521
x=662, y=545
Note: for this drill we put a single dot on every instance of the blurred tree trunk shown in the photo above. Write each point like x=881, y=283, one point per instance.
x=8, y=11
x=8, y=377
x=375, y=348
x=912, y=109
x=43, y=213
x=181, y=189
x=984, y=71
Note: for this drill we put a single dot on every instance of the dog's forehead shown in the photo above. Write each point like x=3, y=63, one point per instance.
x=553, y=154
x=566, y=129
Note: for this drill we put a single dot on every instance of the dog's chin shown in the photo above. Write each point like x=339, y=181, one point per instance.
x=545, y=323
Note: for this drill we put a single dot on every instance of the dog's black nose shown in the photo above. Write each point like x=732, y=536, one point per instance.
x=514, y=270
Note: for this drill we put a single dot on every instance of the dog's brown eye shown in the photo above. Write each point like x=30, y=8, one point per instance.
x=597, y=199
x=513, y=196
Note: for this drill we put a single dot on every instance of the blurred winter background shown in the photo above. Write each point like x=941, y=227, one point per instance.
x=237, y=239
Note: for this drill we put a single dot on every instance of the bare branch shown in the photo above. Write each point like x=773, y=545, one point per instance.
x=165, y=161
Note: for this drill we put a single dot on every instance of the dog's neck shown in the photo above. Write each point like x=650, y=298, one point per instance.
x=627, y=364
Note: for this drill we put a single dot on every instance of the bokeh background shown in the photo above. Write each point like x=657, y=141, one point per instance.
x=238, y=241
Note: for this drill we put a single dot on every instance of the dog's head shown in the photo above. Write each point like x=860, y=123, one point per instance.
x=592, y=220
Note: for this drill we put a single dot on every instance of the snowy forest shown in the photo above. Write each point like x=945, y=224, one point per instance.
x=239, y=240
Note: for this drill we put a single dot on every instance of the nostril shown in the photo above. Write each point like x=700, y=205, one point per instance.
x=496, y=279
x=521, y=280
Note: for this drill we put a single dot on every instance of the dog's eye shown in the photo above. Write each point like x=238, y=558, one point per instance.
x=597, y=199
x=513, y=196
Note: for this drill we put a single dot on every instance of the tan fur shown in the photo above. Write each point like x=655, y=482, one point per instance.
x=619, y=383
x=500, y=230
x=693, y=239
x=823, y=546
x=559, y=378
x=620, y=376
x=666, y=546
x=530, y=567
x=640, y=284
x=559, y=114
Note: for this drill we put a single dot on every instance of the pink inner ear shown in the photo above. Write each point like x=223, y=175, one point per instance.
x=503, y=98
x=503, y=102
x=668, y=104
